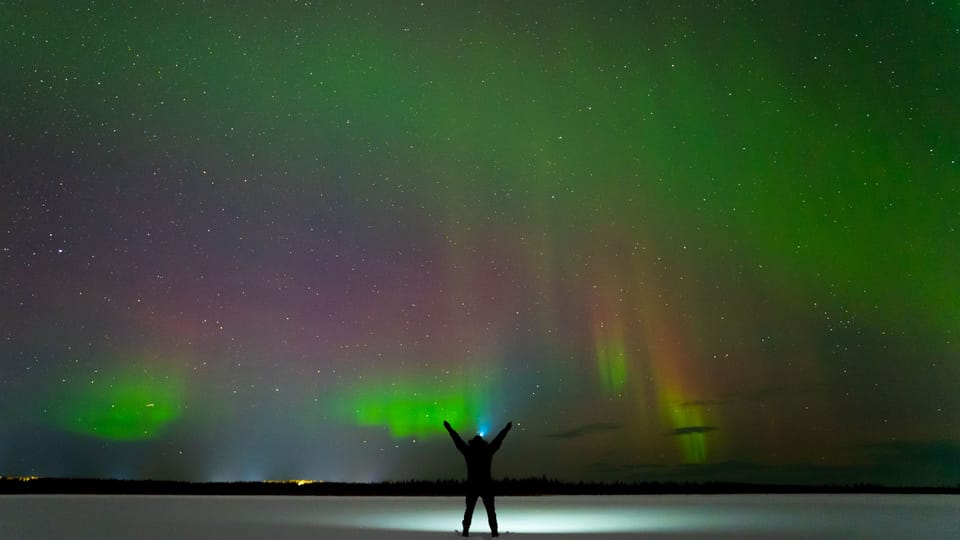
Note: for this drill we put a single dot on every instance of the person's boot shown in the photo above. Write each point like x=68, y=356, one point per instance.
x=466, y=529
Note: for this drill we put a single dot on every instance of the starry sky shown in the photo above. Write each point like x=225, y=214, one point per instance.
x=706, y=241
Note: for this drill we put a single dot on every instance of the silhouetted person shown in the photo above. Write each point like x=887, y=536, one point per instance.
x=479, y=455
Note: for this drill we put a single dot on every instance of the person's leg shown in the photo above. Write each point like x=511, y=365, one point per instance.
x=491, y=512
x=468, y=513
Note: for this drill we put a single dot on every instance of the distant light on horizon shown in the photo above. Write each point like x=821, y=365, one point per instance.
x=297, y=482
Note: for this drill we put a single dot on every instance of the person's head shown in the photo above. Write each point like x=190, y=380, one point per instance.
x=477, y=442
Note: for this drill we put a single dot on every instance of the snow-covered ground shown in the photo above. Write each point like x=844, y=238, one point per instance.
x=650, y=517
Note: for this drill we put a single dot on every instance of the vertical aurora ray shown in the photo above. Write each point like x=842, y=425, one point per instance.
x=687, y=425
x=611, y=356
x=611, y=327
x=610, y=349
x=682, y=415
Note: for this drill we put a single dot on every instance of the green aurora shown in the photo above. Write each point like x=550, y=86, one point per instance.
x=729, y=233
x=124, y=406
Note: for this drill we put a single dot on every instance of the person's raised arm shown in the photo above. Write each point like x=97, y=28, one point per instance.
x=495, y=445
x=461, y=446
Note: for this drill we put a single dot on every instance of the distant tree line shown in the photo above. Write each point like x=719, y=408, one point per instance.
x=507, y=486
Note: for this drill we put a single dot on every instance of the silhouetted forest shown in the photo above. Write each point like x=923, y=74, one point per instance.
x=509, y=486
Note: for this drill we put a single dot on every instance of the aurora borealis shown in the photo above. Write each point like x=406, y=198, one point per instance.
x=714, y=241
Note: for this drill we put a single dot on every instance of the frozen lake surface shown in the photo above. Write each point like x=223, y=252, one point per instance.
x=648, y=516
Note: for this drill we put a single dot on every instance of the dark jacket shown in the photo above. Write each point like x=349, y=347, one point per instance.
x=478, y=454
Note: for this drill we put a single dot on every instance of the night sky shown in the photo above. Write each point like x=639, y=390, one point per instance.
x=714, y=241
